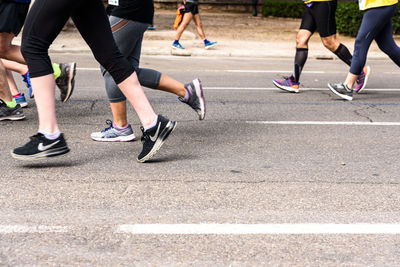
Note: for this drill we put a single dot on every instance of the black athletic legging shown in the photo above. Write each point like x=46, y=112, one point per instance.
x=376, y=25
x=47, y=18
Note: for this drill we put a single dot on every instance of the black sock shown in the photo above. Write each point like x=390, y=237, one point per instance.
x=299, y=61
x=344, y=54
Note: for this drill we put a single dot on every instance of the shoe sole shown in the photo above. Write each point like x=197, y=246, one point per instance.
x=346, y=97
x=10, y=118
x=365, y=79
x=286, y=88
x=177, y=48
x=160, y=141
x=210, y=46
x=42, y=155
x=127, y=138
x=199, y=92
x=71, y=82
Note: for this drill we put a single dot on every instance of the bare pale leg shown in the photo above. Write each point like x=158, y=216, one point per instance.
x=43, y=88
x=132, y=90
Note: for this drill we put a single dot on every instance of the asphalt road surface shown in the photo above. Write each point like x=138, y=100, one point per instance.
x=263, y=166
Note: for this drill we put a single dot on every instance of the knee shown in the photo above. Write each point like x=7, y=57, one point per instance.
x=30, y=48
x=358, y=45
x=384, y=49
x=301, y=41
x=199, y=24
x=389, y=49
x=330, y=44
x=4, y=48
x=184, y=24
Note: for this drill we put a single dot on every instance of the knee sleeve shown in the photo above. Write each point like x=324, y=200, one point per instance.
x=149, y=78
x=113, y=92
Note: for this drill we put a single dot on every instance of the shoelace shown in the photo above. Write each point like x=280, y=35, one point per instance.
x=109, y=123
x=145, y=136
x=34, y=140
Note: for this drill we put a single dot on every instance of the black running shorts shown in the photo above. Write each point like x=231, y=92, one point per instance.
x=192, y=8
x=321, y=17
x=12, y=16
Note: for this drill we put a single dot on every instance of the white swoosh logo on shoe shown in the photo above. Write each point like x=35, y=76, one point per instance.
x=154, y=137
x=41, y=147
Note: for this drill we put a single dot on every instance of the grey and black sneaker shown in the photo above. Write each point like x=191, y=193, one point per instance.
x=155, y=137
x=66, y=81
x=341, y=90
x=196, y=98
x=112, y=134
x=40, y=147
x=12, y=114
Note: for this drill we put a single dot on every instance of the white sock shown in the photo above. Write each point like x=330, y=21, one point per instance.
x=50, y=136
x=151, y=125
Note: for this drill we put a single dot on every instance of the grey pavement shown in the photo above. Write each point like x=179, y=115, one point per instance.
x=229, y=168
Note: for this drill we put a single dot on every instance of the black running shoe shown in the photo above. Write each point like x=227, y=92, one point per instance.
x=66, y=81
x=155, y=137
x=40, y=147
x=12, y=114
x=341, y=90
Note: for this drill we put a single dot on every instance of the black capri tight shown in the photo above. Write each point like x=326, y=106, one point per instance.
x=47, y=18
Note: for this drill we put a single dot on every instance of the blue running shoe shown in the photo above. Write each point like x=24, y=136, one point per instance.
x=27, y=81
x=177, y=45
x=208, y=44
x=21, y=100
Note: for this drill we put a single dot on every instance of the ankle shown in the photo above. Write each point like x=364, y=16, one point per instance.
x=119, y=125
x=150, y=124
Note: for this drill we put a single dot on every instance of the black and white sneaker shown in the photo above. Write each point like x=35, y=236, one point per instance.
x=341, y=90
x=155, y=137
x=12, y=114
x=196, y=98
x=40, y=147
x=66, y=81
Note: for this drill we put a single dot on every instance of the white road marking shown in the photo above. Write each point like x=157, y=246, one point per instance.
x=230, y=88
x=245, y=229
x=9, y=229
x=223, y=229
x=276, y=71
x=354, y=123
x=89, y=69
x=301, y=90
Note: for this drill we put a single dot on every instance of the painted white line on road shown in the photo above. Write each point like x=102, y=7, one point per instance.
x=245, y=229
x=227, y=88
x=9, y=229
x=275, y=71
x=355, y=123
x=302, y=89
x=89, y=69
